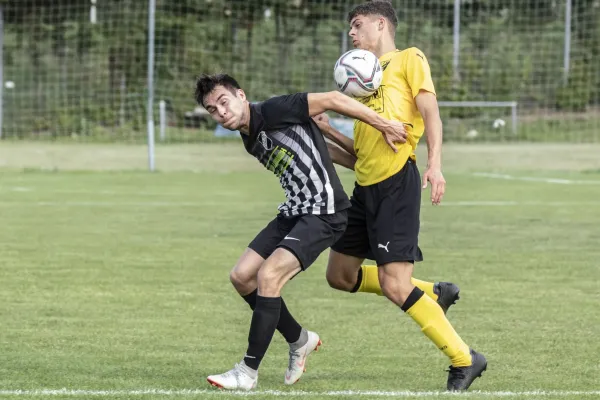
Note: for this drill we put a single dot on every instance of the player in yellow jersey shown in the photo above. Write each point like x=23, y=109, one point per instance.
x=383, y=222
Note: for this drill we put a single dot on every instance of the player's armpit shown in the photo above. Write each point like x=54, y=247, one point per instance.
x=341, y=157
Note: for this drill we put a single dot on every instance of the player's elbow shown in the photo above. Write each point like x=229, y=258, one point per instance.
x=320, y=102
x=337, y=100
x=353, y=160
x=349, y=161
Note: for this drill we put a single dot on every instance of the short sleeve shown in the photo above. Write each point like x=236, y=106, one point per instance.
x=281, y=111
x=418, y=74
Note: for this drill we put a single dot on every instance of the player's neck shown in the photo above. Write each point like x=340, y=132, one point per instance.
x=384, y=47
x=245, y=122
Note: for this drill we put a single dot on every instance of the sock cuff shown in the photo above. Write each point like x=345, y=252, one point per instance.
x=250, y=298
x=412, y=298
x=302, y=340
x=268, y=302
x=359, y=279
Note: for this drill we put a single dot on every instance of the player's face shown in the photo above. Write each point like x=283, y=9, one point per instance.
x=226, y=107
x=365, y=31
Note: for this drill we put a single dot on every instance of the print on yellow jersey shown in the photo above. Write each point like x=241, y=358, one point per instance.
x=405, y=73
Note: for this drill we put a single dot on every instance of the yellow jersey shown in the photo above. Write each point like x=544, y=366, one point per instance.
x=405, y=73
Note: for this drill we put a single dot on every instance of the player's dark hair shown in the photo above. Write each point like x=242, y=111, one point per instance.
x=207, y=83
x=383, y=8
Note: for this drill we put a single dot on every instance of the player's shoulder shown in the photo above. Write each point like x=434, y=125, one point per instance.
x=286, y=101
x=412, y=52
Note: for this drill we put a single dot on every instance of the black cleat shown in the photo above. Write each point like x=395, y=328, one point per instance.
x=447, y=294
x=460, y=378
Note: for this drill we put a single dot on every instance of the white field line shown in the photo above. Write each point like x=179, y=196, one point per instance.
x=25, y=204
x=296, y=393
x=191, y=204
x=558, y=181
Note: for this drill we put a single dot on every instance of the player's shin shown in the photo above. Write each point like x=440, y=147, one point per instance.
x=434, y=324
x=264, y=322
x=289, y=328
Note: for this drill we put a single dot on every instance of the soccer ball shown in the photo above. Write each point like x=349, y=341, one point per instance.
x=358, y=73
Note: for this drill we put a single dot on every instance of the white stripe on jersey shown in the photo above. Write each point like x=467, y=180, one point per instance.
x=298, y=173
x=308, y=162
x=288, y=183
x=314, y=191
x=314, y=177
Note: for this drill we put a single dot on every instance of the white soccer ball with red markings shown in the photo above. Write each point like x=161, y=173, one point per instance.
x=358, y=73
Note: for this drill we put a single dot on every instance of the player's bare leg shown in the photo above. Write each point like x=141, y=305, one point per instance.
x=342, y=271
x=244, y=275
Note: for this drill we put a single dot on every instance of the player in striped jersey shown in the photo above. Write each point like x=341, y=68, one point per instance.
x=282, y=136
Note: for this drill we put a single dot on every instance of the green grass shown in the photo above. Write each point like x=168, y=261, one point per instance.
x=119, y=281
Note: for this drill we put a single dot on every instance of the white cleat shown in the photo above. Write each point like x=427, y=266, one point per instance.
x=241, y=377
x=297, y=362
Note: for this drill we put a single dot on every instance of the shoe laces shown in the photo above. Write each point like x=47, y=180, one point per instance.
x=294, y=355
x=456, y=372
x=235, y=372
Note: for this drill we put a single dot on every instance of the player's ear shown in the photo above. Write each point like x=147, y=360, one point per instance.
x=241, y=94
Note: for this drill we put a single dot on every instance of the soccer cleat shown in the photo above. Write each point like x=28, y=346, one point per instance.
x=447, y=294
x=297, y=363
x=460, y=378
x=241, y=377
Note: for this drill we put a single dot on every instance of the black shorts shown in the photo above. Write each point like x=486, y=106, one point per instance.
x=383, y=222
x=306, y=236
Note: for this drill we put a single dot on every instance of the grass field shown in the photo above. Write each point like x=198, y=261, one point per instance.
x=115, y=281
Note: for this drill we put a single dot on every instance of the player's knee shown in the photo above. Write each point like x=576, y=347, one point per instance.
x=242, y=281
x=395, y=288
x=270, y=279
x=339, y=279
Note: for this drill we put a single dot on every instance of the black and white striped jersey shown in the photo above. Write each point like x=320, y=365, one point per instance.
x=284, y=138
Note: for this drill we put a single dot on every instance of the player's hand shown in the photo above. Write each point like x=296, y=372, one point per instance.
x=438, y=183
x=394, y=132
x=322, y=121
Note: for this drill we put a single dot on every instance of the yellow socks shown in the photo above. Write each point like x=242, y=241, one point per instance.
x=426, y=312
x=370, y=282
x=427, y=287
x=434, y=324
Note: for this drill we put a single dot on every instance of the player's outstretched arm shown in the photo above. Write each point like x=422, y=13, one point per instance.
x=393, y=131
x=341, y=157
